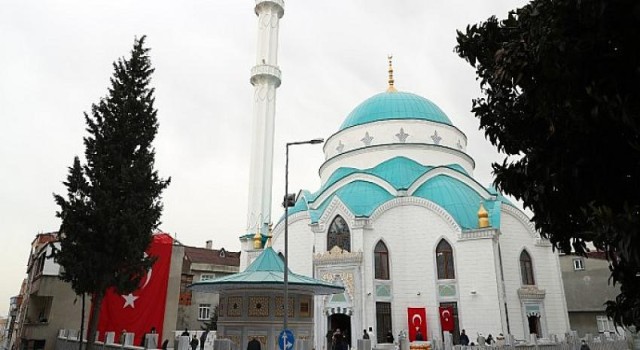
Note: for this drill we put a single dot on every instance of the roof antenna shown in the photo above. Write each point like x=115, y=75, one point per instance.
x=391, y=88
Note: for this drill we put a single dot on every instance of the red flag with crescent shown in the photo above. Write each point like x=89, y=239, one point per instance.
x=446, y=318
x=417, y=320
x=137, y=312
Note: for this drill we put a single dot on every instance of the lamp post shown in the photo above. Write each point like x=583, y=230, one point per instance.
x=286, y=225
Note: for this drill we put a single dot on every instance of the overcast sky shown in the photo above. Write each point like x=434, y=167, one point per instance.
x=55, y=61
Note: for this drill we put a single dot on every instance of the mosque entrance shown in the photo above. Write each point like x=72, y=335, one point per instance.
x=342, y=323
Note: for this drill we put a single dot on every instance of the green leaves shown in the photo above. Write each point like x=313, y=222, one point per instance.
x=560, y=82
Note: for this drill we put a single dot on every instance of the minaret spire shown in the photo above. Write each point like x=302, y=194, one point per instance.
x=391, y=88
x=265, y=77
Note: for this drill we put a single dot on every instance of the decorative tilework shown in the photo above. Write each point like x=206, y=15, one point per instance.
x=447, y=290
x=235, y=339
x=305, y=307
x=383, y=290
x=280, y=306
x=234, y=307
x=259, y=306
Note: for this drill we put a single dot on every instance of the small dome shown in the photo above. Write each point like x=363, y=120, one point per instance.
x=395, y=105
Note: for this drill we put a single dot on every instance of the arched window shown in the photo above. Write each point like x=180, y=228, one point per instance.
x=381, y=261
x=526, y=269
x=339, y=235
x=444, y=259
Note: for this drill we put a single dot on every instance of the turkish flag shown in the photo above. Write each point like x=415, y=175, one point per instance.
x=446, y=318
x=417, y=321
x=137, y=312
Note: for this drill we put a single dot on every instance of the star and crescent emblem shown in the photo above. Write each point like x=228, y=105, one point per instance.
x=446, y=314
x=130, y=299
x=417, y=321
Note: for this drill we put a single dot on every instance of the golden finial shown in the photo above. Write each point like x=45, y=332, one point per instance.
x=257, y=241
x=391, y=88
x=483, y=217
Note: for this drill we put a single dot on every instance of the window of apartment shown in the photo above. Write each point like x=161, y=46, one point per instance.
x=605, y=324
x=207, y=277
x=578, y=264
x=204, y=311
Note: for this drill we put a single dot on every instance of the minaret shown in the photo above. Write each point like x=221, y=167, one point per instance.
x=265, y=77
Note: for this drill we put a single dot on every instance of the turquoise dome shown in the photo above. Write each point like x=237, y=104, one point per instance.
x=363, y=197
x=395, y=105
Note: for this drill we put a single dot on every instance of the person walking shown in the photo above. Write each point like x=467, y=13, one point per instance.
x=194, y=342
x=203, y=339
x=365, y=335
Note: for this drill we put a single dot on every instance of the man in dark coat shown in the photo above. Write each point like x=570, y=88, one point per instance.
x=464, y=340
x=194, y=342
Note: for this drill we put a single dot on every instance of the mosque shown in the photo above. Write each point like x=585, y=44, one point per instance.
x=401, y=223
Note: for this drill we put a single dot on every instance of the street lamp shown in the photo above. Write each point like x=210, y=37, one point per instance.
x=288, y=202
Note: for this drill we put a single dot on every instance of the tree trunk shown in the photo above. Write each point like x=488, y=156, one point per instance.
x=96, y=305
x=82, y=323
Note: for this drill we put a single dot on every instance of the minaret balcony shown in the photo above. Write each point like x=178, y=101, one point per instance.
x=265, y=72
x=278, y=4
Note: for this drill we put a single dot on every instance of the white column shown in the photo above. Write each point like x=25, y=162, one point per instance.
x=265, y=77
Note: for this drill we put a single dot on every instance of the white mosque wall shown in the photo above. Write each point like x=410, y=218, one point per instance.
x=410, y=233
x=479, y=304
x=301, y=242
x=411, y=230
x=370, y=157
x=516, y=235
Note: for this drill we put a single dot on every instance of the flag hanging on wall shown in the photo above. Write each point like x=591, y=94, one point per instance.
x=137, y=312
x=417, y=321
x=446, y=319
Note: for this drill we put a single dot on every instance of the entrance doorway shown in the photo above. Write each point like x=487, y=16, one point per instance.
x=343, y=323
x=456, y=323
x=534, y=324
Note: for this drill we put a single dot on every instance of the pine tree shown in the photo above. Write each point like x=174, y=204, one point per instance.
x=113, y=201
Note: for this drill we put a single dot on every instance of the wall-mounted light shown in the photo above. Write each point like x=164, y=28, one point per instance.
x=368, y=293
x=419, y=293
x=473, y=292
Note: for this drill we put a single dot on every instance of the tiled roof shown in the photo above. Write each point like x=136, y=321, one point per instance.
x=212, y=256
x=267, y=272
